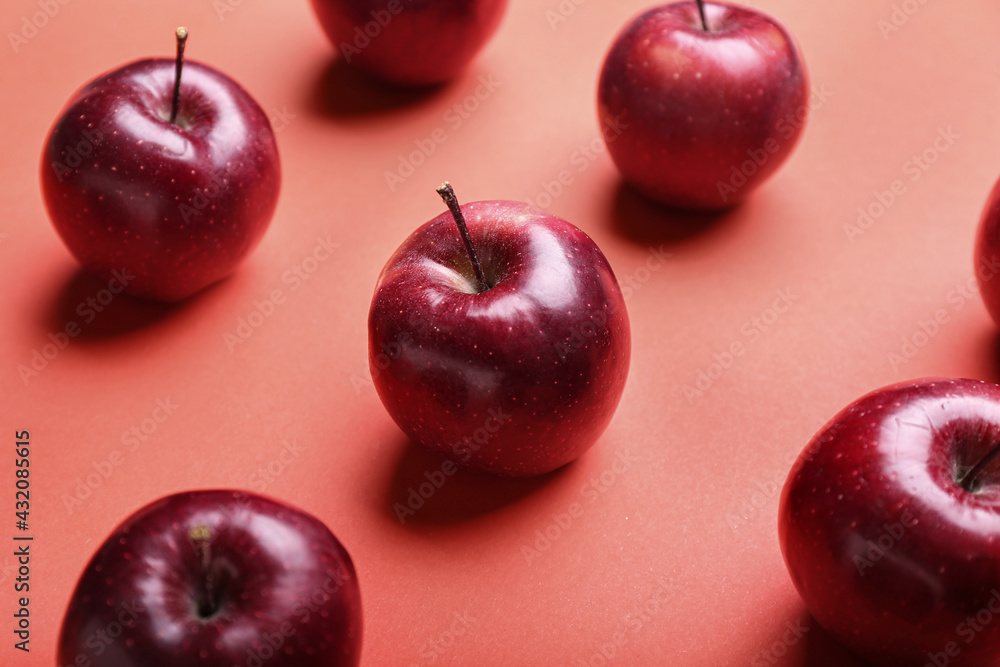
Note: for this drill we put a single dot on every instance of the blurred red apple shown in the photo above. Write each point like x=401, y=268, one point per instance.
x=698, y=109
x=409, y=42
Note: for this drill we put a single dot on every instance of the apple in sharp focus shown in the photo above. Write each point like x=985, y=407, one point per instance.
x=509, y=359
x=987, y=254
x=172, y=205
x=699, y=108
x=409, y=42
x=890, y=524
x=211, y=578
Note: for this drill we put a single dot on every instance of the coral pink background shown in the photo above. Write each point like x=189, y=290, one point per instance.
x=671, y=554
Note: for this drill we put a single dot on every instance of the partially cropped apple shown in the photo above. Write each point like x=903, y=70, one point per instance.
x=499, y=338
x=890, y=524
x=165, y=174
x=700, y=103
x=215, y=579
x=987, y=254
x=409, y=42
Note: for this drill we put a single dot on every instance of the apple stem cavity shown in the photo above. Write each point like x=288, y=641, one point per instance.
x=182, y=35
x=970, y=480
x=448, y=195
x=201, y=538
x=701, y=12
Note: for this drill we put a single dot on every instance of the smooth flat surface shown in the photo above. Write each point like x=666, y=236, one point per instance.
x=674, y=552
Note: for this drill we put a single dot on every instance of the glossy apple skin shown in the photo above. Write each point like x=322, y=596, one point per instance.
x=681, y=108
x=879, y=483
x=178, y=206
x=517, y=380
x=281, y=580
x=987, y=254
x=409, y=42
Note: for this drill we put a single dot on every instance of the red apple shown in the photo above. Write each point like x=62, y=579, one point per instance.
x=987, y=254
x=409, y=42
x=890, y=524
x=698, y=109
x=215, y=578
x=175, y=203
x=511, y=362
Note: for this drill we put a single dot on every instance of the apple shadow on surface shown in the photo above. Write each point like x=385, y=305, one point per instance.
x=819, y=648
x=639, y=219
x=462, y=496
x=98, y=314
x=341, y=91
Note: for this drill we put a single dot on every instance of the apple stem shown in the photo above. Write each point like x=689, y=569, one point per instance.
x=201, y=538
x=701, y=12
x=182, y=35
x=968, y=481
x=448, y=195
